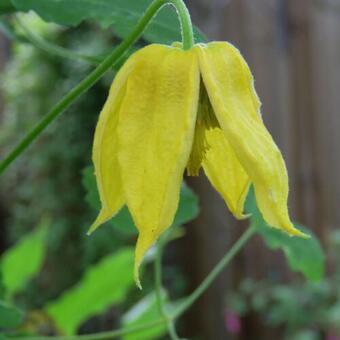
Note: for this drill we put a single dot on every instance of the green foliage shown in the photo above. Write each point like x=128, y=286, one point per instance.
x=296, y=308
x=10, y=316
x=187, y=210
x=103, y=284
x=46, y=179
x=33, y=81
x=121, y=14
x=303, y=255
x=6, y=6
x=23, y=261
x=145, y=311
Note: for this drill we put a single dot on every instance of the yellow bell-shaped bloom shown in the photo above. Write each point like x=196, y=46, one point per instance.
x=170, y=109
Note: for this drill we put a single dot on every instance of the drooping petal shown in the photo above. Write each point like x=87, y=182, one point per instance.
x=105, y=153
x=155, y=132
x=225, y=172
x=230, y=88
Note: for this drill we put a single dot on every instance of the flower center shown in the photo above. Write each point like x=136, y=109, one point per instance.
x=206, y=120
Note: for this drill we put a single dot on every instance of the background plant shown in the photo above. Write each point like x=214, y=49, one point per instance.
x=73, y=133
x=300, y=309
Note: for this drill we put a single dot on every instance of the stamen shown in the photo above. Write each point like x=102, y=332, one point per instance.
x=205, y=120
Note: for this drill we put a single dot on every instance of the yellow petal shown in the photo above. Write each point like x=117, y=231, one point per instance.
x=225, y=172
x=155, y=132
x=232, y=95
x=105, y=153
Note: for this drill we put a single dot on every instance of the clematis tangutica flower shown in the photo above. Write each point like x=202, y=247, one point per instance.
x=169, y=110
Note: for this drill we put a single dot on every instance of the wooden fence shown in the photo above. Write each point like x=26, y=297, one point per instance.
x=293, y=48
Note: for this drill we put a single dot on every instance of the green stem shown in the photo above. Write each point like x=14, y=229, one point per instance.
x=98, y=336
x=97, y=73
x=215, y=272
x=230, y=254
x=83, y=86
x=186, y=24
x=158, y=287
x=53, y=49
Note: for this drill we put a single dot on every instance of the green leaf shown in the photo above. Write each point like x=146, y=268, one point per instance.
x=121, y=14
x=188, y=208
x=10, y=316
x=103, y=285
x=6, y=7
x=303, y=255
x=23, y=261
x=89, y=183
x=145, y=311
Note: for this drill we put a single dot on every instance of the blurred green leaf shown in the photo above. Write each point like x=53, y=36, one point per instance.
x=103, y=285
x=145, y=311
x=122, y=14
x=305, y=334
x=10, y=316
x=23, y=261
x=89, y=183
x=2, y=286
x=303, y=255
x=188, y=207
x=6, y=7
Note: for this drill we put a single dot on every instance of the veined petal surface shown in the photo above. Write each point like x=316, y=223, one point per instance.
x=231, y=92
x=105, y=153
x=155, y=131
x=225, y=172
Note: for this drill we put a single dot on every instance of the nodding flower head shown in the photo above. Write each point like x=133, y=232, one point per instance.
x=169, y=110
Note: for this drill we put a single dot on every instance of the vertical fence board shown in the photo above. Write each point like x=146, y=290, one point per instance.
x=325, y=62
x=293, y=49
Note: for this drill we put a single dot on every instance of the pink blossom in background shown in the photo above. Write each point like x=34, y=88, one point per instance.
x=233, y=323
x=332, y=336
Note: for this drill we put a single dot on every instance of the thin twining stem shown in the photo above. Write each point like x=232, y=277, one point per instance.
x=189, y=301
x=53, y=49
x=97, y=73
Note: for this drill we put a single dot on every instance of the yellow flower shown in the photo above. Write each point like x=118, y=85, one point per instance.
x=170, y=109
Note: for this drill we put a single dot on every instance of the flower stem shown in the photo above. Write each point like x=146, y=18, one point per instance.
x=186, y=24
x=83, y=86
x=97, y=336
x=98, y=72
x=229, y=255
x=215, y=272
x=52, y=49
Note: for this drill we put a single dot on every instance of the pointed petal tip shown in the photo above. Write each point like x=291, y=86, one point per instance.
x=138, y=262
x=137, y=279
x=241, y=216
x=292, y=231
x=144, y=243
x=299, y=233
x=102, y=217
x=140, y=250
x=93, y=227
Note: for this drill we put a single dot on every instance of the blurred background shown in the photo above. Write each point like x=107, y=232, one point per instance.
x=293, y=49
